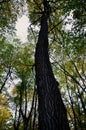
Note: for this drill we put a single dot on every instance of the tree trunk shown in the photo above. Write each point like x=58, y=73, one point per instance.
x=25, y=123
x=52, y=112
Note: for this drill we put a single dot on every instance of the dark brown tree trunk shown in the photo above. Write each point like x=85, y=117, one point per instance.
x=52, y=112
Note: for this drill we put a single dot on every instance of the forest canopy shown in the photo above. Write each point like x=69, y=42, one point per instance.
x=67, y=52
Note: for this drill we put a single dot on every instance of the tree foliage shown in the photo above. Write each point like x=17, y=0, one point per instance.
x=67, y=54
x=5, y=113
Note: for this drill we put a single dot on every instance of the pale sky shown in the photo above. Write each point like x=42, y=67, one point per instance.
x=22, y=25
x=69, y=22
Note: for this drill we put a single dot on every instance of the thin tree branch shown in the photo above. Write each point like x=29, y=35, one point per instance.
x=7, y=76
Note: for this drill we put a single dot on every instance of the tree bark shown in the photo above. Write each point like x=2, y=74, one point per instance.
x=52, y=112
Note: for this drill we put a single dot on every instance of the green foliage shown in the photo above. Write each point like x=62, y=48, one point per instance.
x=24, y=59
x=69, y=66
x=5, y=113
x=67, y=52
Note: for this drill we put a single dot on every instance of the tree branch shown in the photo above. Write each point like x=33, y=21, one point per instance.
x=8, y=73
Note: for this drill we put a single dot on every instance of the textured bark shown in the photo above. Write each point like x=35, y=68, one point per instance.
x=52, y=112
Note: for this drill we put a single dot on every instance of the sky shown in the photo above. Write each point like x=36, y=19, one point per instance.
x=22, y=25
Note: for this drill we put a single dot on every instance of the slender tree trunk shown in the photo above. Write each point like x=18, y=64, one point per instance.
x=25, y=123
x=52, y=112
